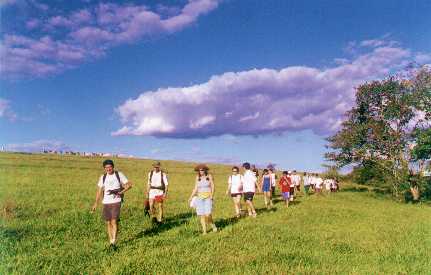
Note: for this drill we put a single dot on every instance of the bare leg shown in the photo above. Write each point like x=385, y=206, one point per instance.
x=108, y=228
x=251, y=208
x=160, y=212
x=203, y=224
x=237, y=204
x=151, y=208
x=265, y=197
x=114, y=229
x=211, y=222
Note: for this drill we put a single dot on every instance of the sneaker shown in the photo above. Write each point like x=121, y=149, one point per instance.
x=254, y=215
x=215, y=229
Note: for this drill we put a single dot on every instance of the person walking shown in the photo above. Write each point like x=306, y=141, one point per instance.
x=273, y=177
x=234, y=189
x=307, y=182
x=204, y=192
x=292, y=186
x=157, y=191
x=284, y=183
x=111, y=187
x=266, y=187
x=249, y=189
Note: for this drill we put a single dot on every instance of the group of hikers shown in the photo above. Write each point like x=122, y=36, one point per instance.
x=113, y=184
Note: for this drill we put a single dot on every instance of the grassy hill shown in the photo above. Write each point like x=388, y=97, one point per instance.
x=47, y=228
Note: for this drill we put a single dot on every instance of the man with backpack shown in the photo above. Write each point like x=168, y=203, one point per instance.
x=157, y=191
x=111, y=187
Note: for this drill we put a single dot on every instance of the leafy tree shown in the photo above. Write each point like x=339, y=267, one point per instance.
x=378, y=129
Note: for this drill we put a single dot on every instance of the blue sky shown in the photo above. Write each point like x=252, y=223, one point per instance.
x=225, y=81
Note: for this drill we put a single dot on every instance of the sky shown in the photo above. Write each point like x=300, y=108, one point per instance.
x=228, y=81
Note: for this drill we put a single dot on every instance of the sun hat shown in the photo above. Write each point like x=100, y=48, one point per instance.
x=157, y=164
x=201, y=166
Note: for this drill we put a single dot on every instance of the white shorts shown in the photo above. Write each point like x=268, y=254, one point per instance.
x=155, y=192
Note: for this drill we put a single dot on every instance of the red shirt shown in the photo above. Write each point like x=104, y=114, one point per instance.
x=285, y=184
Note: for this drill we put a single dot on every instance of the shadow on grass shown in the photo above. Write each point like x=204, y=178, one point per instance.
x=169, y=223
x=222, y=223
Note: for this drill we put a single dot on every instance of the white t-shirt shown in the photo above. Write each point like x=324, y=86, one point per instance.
x=273, y=179
x=327, y=183
x=236, y=182
x=111, y=183
x=296, y=179
x=318, y=182
x=249, y=182
x=307, y=180
x=156, y=181
x=292, y=183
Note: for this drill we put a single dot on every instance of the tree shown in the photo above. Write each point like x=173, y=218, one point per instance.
x=379, y=128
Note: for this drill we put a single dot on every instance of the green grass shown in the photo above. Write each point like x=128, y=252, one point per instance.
x=47, y=228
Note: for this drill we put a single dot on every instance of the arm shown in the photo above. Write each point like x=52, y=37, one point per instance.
x=148, y=186
x=126, y=187
x=194, y=190
x=98, y=196
x=165, y=179
x=212, y=187
x=229, y=186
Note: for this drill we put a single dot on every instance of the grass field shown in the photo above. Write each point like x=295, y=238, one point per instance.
x=47, y=228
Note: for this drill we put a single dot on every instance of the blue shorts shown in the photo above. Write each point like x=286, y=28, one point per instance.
x=266, y=187
x=204, y=207
x=286, y=195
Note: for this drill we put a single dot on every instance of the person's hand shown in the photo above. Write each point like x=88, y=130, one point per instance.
x=165, y=196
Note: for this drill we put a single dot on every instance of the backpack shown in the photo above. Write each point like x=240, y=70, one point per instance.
x=119, y=181
x=163, y=186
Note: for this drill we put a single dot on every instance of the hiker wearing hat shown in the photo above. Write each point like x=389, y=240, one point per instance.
x=111, y=187
x=204, y=192
x=249, y=188
x=157, y=191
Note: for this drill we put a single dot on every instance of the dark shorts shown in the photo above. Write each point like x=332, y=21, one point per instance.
x=248, y=196
x=111, y=211
x=292, y=190
x=234, y=195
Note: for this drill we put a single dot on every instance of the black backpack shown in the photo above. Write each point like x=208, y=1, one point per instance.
x=115, y=190
x=163, y=186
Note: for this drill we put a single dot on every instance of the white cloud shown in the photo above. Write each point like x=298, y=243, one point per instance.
x=260, y=101
x=66, y=40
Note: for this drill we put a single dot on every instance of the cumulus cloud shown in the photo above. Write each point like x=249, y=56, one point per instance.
x=37, y=146
x=67, y=40
x=260, y=101
x=6, y=111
